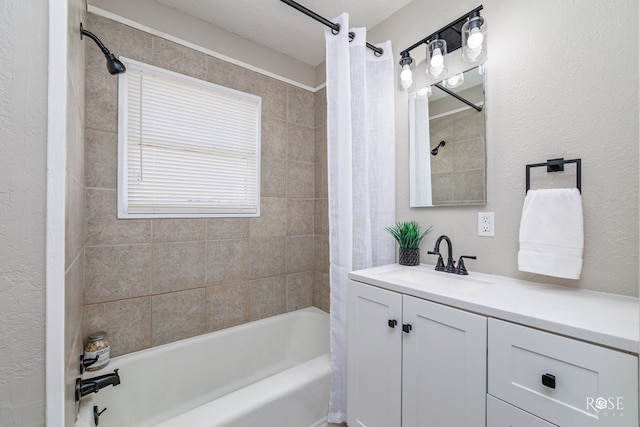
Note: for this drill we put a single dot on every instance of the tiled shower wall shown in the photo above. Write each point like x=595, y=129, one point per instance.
x=458, y=171
x=150, y=282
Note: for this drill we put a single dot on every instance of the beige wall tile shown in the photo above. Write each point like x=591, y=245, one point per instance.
x=127, y=323
x=321, y=184
x=272, y=220
x=178, y=230
x=268, y=297
x=229, y=75
x=274, y=96
x=178, y=266
x=468, y=124
x=180, y=59
x=320, y=144
x=274, y=138
x=101, y=101
x=442, y=187
x=117, y=272
x=321, y=216
x=177, y=315
x=468, y=154
x=267, y=257
x=300, y=180
x=227, y=228
x=320, y=109
x=321, y=292
x=101, y=159
x=300, y=143
x=273, y=177
x=103, y=227
x=227, y=305
x=300, y=214
x=74, y=220
x=469, y=186
x=299, y=290
x=300, y=106
x=299, y=254
x=228, y=261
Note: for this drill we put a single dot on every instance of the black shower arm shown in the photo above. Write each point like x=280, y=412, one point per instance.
x=95, y=39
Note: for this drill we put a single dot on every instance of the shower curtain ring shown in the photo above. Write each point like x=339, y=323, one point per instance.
x=335, y=31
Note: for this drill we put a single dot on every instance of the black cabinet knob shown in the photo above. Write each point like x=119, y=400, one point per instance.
x=392, y=323
x=406, y=327
x=549, y=380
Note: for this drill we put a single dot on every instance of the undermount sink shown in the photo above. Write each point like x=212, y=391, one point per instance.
x=427, y=278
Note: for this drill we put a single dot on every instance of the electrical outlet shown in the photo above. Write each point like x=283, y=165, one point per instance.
x=486, y=224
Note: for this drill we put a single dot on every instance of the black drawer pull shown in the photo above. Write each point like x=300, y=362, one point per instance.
x=392, y=323
x=406, y=327
x=549, y=380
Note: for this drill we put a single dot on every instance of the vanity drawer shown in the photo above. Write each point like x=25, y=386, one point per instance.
x=564, y=381
x=501, y=414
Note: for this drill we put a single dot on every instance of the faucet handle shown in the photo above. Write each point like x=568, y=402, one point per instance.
x=440, y=264
x=461, y=269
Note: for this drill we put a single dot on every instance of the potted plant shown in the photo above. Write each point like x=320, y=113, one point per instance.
x=408, y=236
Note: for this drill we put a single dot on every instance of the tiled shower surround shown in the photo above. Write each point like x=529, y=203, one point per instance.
x=148, y=282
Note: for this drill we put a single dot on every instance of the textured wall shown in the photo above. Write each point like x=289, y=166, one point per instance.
x=562, y=81
x=149, y=282
x=23, y=142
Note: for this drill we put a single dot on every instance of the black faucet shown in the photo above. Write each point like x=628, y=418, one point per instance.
x=450, y=268
x=95, y=384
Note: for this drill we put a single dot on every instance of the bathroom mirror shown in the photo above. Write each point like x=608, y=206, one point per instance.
x=447, y=160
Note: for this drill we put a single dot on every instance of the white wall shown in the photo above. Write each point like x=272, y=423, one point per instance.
x=562, y=81
x=23, y=144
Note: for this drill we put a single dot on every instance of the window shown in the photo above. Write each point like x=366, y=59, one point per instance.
x=186, y=147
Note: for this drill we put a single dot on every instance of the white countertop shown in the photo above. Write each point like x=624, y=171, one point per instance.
x=606, y=319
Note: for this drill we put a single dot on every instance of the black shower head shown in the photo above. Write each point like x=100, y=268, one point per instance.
x=434, y=152
x=113, y=64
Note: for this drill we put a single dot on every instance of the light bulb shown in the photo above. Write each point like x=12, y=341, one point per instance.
x=406, y=74
x=426, y=90
x=453, y=80
x=436, y=58
x=406, y=84
x=475, y=38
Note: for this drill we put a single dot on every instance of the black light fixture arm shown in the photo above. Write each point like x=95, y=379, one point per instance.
x=335, y=27
x=455, y=26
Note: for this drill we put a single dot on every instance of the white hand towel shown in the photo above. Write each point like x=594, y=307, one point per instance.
x=551, y=233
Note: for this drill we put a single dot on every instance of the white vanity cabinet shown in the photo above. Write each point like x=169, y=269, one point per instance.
x=412, y=362
x=561, y=380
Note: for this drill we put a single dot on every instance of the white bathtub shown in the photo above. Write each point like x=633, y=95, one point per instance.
x=274, y=372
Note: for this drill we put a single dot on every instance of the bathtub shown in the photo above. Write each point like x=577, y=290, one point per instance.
x=273, y=372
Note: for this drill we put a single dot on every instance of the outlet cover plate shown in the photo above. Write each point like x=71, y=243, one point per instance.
x=486, y=224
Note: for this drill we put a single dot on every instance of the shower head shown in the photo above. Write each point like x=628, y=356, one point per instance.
x=113, y=64
x=434, y=152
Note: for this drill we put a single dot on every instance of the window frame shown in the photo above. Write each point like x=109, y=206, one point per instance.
x=122, y=174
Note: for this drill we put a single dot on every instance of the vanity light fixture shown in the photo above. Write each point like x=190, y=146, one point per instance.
x=474, y=37
x=436, y=56
x=113, y=64
x=406, y=71
x=467, y=33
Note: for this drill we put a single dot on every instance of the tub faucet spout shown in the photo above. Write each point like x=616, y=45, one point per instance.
x=450, y=268
x=95, y=384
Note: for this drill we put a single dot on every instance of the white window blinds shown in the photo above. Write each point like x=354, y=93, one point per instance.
x=186, y=147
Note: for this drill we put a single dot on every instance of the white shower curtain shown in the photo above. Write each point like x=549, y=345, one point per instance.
x=361, y=166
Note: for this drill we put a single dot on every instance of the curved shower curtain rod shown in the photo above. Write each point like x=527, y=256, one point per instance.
x=335, y=27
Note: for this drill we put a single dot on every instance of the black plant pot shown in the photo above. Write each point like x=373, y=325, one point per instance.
x=409, y=256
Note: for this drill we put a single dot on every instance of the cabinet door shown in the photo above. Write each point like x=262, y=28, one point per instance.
x=374, y=356
x=501, y=414
x=444, y=366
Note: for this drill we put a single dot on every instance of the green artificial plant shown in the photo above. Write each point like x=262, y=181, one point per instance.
x=407, y=234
